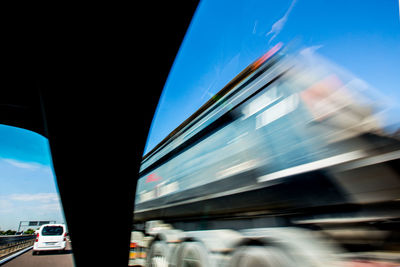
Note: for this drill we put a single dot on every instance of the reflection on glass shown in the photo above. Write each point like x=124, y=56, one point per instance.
x=275, y=141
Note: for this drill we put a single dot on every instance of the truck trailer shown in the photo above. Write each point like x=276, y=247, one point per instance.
x=287, y=165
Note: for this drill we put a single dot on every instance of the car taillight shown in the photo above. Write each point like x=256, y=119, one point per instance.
x=37, y=237
x=65, y=237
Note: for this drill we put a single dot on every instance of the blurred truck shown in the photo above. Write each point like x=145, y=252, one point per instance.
x=286, y=161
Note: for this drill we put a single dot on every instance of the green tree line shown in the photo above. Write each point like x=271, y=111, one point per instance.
x=12, y=232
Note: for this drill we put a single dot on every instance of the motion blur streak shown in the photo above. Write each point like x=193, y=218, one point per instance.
x=292, y=157
x=267, y=55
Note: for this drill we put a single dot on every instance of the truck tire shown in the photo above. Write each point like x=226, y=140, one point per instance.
x=259, y=256
x=158, y=254
x=193, y=254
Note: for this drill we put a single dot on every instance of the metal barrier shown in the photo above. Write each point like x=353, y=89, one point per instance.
x=13, y=243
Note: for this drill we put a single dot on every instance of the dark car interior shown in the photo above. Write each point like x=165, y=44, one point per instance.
x=88, y=78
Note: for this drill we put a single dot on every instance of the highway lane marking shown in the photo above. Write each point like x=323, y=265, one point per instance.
x=15, y=255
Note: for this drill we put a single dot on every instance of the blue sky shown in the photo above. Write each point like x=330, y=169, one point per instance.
x=226, y=36
x=28, y=188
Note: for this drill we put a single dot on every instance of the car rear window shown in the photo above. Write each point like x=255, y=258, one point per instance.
x=52, y=230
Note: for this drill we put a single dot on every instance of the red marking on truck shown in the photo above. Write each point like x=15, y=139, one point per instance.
x=153, y=178
x=267, y=55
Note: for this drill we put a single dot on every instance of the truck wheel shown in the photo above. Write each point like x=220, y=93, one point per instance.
x=159, y=262
x=258, y=256
x=158, y=255
x=193, y=254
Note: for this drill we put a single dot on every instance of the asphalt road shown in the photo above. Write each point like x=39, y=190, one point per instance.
x=44, y=259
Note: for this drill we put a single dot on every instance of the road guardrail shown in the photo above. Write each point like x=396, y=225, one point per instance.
x=12, y=243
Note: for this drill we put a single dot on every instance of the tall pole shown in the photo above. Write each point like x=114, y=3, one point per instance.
x=19, y=226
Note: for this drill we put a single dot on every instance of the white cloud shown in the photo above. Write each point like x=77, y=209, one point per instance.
x=50, y=207
x=279, y=24
x=310, y=50
x=24, y=207
x=255, y=26
x=41, y=197
x=6, y=206
x=23, y=164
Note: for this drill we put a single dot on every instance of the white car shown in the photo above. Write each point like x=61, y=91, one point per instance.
x=50, y=237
